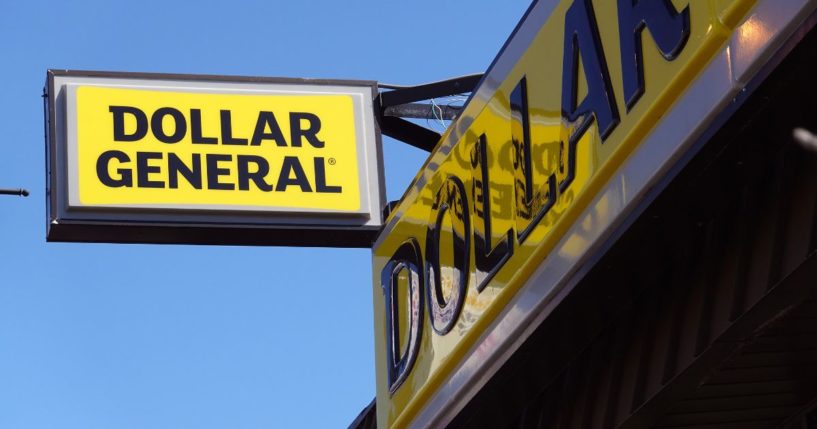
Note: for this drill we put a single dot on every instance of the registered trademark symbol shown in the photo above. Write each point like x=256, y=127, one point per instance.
x=332, y=161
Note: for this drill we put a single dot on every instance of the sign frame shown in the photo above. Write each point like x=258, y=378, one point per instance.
x=181, y=224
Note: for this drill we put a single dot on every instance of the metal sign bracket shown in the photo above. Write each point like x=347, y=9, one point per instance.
x=400, y=102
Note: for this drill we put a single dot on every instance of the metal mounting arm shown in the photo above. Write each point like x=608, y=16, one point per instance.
x=399, y=103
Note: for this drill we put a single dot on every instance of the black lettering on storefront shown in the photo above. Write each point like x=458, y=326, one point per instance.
x=320, y=178
x=157, y=125
x=192, y=174
x=668, y=27
x=532, y=203
x=214, y=172
x=450, y=201
x=227, y=131
x=292, y=165
x=267, y=120
x=139, y=116
x=144, y=169
x=256, y=175
x=125, y=178
x=488, y=258
x=310, y=133
x=195, y=129
x=582, y=41
x=407, y=260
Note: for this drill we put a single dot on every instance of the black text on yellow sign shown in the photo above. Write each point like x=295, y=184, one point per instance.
x=503, y=192
x=157, y=147
x=534, y=195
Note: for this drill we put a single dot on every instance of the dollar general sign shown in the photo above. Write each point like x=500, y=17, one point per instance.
x=274, y=153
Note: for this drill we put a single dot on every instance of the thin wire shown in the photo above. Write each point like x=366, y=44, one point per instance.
x=437, y=111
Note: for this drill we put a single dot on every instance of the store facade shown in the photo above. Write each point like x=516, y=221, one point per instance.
x=617, y=231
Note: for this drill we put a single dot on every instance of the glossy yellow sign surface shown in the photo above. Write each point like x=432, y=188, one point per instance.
x=486, y=211
x=146, y=148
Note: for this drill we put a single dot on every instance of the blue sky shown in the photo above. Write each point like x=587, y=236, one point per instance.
x=171, y=336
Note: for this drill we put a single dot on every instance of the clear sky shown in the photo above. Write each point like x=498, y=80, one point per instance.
x=169, y=336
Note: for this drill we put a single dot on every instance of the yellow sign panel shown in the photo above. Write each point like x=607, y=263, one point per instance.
x=143, y=147
x=578, y=88
x=231, y=160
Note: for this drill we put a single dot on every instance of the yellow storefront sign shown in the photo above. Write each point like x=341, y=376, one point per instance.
x=567, y=106
x=158, y=147
x=142, y=157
